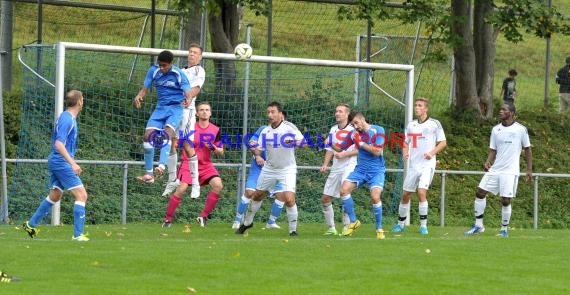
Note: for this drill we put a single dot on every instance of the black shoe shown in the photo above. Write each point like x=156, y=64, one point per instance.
x=242, y=228
x=166, y=224
x=5, y=278
x=293, y=234
x=30, y=230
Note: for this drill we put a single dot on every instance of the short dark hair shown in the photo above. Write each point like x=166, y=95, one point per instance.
x=513, y=72
x=276, y=104
x=284, y=115
x=72, y=98
x=166, y=56
x=511, y=107
x=354, y=114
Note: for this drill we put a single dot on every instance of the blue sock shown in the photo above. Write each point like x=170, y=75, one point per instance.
x=43, y=210
x=148, y=156
x=78, y=218
x=164, y=154
x=276, y=209
x=242, y=206
x=348, y=208
x=377, y=210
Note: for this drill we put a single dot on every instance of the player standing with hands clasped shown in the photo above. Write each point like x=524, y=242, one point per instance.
x=429, y=139
x=502, y=165
x=343, y=163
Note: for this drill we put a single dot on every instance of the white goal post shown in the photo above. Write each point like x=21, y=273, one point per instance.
x=62, y=47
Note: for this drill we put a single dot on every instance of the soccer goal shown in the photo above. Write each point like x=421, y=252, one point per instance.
x=111, y=129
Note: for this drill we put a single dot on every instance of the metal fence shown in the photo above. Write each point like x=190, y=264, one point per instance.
x=443, y=173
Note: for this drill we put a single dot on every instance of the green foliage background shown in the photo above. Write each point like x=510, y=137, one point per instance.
x=315, y=32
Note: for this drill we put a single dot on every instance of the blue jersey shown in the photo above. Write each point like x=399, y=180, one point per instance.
x=66, y=132
x=170, y=87
x=255, y=137
x=368, y=162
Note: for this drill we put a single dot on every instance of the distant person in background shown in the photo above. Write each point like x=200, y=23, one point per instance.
x=563, y=79
x=509, y=88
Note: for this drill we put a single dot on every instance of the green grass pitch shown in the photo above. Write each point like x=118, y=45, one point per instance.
x=146, y=259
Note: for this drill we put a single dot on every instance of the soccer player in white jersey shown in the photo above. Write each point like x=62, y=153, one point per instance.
x=279, y=140
x=196, y=77
x=343, y=163
x=502, y=165
x=424, y=139
x=369, y=140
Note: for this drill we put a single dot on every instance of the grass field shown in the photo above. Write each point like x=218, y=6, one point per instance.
x=146, y=259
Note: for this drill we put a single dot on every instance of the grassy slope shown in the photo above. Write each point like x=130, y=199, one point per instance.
x=145, y=259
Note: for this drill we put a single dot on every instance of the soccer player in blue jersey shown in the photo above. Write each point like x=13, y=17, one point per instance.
x=173, y=92
x=64, y=171
x=196, y=76
x=369, y=140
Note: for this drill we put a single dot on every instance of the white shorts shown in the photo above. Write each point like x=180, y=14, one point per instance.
x=504, y=184
x=268, y=179
x=418, y=178
x=334, y=181
x=187, y=123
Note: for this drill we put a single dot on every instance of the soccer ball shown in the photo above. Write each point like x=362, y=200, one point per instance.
x=243, y=51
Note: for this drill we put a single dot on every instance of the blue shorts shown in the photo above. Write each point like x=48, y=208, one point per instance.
x=64, y=179
x=251, y=182
x=164, y=116
x=373, y=179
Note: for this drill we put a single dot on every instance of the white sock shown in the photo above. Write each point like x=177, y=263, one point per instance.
x=423, y=211
x=345, y=220
x=171, y=164
x=506, y=216
x=328, y=211
x=403, y=214
x=292, y=215
x=194, y=170
x=250, y=214
x=480, y=205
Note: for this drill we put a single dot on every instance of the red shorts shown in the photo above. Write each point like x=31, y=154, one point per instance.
x=206, y=173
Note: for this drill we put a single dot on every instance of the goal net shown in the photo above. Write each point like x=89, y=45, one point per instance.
x=111, y=129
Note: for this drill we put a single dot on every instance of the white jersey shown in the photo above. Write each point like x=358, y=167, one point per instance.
x=508, y=142
x=428, y=134
x=339, y=165
x=280, y=154
x=196, y=76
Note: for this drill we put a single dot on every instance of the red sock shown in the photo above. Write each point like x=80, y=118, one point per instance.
x=172, y=205
x=211, y=202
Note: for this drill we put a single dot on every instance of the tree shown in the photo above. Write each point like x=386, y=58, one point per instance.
x=223, y=24
x=470, y=28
